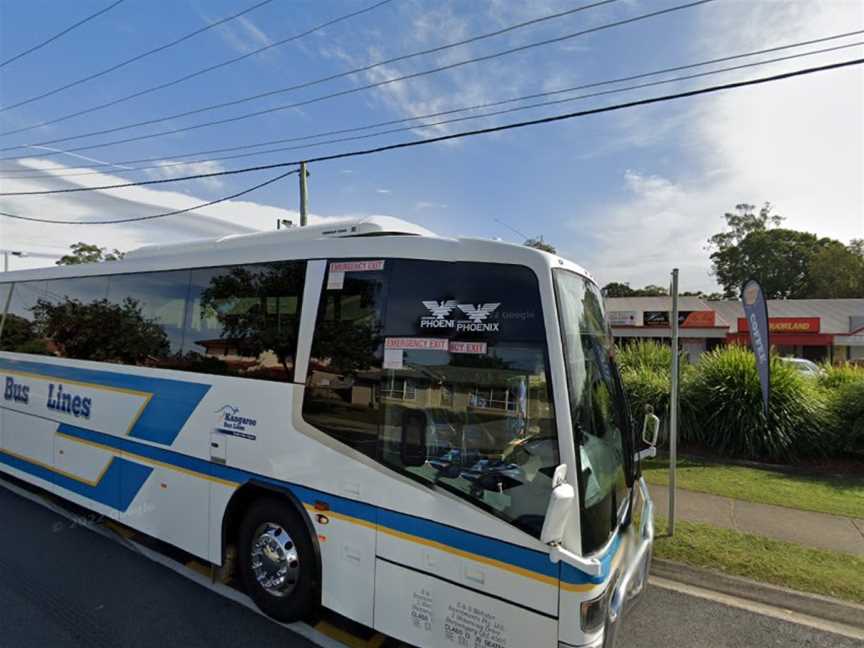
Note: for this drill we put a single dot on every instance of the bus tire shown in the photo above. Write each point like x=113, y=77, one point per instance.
x=277, y=561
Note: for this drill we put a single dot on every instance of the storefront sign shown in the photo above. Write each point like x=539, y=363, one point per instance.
x=656, y=318
x=697, y=319
x=622, y=318
x=686, y=319
x=783, y=325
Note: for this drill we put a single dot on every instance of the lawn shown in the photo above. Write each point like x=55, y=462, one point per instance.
x=769, y=561
x=825, y=494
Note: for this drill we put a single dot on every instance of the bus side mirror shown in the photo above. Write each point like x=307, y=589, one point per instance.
x=559, y=508
x=413, y=447
x=650, y=427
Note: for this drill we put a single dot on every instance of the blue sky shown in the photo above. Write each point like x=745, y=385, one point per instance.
x=628, y=195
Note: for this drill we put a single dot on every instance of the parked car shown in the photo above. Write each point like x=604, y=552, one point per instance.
x=805, y=367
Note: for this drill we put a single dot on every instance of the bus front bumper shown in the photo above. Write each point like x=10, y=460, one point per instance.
x=633, y=580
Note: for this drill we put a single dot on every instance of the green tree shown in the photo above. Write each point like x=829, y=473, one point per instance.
x=651, y=291
x=539, y=244
x=836, y=271
x=617, y=289
x=756, y=247
x=89, y=253
x=101, y=330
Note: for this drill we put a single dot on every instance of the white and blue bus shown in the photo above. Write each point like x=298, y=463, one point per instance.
x=426, y=435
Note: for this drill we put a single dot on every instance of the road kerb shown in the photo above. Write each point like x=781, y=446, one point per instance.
x=813, y=605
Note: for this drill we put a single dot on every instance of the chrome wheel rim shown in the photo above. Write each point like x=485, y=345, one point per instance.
x=275, y=561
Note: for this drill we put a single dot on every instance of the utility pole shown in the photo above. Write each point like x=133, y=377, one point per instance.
x=6, y=254
x=673, y=404
x=304, y=196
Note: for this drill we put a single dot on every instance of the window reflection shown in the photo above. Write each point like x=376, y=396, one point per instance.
x=19, y=327
x=344, y=388
x=244, y=320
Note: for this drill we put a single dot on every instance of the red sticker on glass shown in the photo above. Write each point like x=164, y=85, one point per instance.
x=357, y=266
x=408, y=343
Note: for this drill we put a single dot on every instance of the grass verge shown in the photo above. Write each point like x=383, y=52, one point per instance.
x=770, y=561
x=825, y=494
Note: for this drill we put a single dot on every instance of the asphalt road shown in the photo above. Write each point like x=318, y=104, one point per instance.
x=63, y=585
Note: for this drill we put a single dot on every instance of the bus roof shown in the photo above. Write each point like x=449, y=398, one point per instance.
x=359, y=237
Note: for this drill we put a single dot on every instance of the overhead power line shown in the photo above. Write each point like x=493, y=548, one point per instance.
x=332, y=95
x=466, y=109
x=492, y=129
x=176, y=212
x=138, y=57
x=53, y=38
x=198, y=73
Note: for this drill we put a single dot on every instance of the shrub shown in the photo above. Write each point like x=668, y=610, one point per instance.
x=646, y=387
x=646, y=355
x=847, y=402
x=646, y=371
x=726, y=413
x=836, y=376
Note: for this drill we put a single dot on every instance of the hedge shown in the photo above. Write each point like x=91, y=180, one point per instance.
x=721, y=403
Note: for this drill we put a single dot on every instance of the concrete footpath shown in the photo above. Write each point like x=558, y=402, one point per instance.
x=819, y=530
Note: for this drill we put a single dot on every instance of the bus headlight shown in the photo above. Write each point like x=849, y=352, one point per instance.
x=593, y=613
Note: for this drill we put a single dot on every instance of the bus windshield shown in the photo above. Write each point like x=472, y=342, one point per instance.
x=462, y=346
x=597, y=408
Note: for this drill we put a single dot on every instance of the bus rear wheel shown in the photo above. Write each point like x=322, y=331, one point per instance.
x=277, y=561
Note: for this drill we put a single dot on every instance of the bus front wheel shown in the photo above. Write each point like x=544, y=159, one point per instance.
x=277, y=561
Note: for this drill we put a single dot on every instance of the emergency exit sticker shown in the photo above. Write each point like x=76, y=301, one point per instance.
x=336, y=274
x=357, y=266
x=478, y=348
x=411, y=343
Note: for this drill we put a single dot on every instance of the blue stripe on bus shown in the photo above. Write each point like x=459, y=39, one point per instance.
x=529, y=559
x=117, y=487
x=507, y=553
x=171, y=405
x=466, y=541
x=573, y=576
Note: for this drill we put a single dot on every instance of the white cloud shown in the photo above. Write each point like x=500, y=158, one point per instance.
x=230, y=217
x=383, y=191
x=243, y=35
x=173, y=169
x=797, y=143
x=431, y=25
x=425, y=204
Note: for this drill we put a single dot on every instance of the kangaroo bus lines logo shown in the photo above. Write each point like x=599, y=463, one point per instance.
x=476, y=314
x=232, y=423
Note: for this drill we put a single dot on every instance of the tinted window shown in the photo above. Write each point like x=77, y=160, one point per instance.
x=70, y=318
x=465, y=345
x=19, y=328
x=343, y=391
x=151, y=307
x=244, y=320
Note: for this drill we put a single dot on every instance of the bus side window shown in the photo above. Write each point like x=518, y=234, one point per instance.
x=70, y=317
x=243, y=320
x=146, y=310
x=20, y=332
x=342, y=396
